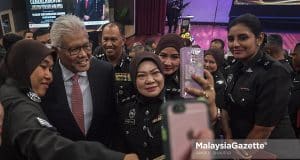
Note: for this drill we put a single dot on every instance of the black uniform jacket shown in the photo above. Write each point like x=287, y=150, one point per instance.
x=172, y=87
x=258, y=93
x=27, y=133
x=123, y=85
x=220, y=86
x=140, y=120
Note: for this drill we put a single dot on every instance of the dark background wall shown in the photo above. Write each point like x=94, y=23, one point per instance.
x=18, y=8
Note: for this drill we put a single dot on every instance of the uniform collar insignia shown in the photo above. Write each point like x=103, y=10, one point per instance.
x=249, y=70
x=33, y=96
x=131, y=113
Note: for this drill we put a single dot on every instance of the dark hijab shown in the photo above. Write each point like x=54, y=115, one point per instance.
x=24, y=57
x=218, y=56
x=134, y=65
x=170, y=40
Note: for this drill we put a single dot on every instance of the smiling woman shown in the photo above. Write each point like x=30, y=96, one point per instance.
x=27, y=134
x=140, y=117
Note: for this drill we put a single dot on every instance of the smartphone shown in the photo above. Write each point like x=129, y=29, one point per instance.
x=191, y=62
x=181, y=121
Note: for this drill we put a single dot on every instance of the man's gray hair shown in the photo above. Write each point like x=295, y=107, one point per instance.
x=65, y=25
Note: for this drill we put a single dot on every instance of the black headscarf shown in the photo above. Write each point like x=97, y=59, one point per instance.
x=24, y=57
x=170, y=40
x=218, y=56
x=134, y=67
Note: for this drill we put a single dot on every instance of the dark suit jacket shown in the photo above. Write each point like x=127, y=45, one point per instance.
x=91, y=10
x=55, y=104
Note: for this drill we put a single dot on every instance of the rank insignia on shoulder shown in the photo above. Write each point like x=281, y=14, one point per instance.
x=43, y=122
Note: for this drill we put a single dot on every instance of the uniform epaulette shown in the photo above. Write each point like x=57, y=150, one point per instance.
x=128, y=59
x=100, y=56
x=128, y=99
x=265, y=62
x=229, y=64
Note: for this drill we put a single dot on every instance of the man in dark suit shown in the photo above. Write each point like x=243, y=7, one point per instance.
x=92, y=116
x=87, y=10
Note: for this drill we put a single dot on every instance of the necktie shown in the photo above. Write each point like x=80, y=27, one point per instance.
x=86, y=4
x=77, y=103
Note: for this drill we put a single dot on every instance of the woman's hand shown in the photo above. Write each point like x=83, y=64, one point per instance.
x=207, y=85
x=207, y=91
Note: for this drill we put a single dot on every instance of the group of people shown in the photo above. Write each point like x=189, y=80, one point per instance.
x=60, y=101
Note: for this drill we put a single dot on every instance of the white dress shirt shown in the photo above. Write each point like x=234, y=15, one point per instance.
x=86, y=93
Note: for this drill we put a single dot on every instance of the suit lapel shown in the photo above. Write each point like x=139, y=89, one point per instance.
x=93, y=87
x=58, y=85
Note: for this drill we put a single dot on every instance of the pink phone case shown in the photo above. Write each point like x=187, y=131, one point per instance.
x=182, y=126
x=191, y=62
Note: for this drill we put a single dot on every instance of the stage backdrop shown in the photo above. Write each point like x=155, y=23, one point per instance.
x=208, y=10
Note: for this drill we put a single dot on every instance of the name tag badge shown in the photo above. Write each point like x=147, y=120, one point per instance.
x=129, y=121
x=122, y=77
x=157, y=119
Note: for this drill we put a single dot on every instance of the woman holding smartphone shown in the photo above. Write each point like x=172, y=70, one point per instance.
x=140, y=116
x=27, y=133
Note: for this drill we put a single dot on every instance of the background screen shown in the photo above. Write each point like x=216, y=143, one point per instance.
x=41, y=13
x=267, y=2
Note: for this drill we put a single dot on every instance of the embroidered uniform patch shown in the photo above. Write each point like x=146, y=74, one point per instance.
x=44, y=123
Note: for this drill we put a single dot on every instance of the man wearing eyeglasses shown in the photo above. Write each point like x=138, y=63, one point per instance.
x=80, y=102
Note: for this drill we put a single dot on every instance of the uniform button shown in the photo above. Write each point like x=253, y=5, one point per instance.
x=121, y=92
x=147, y=113
x=145, y=144
x=144, y=128
x=126, y=132
x=243, y=99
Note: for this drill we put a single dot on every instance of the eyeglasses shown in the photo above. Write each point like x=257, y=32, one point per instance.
x=74, y=51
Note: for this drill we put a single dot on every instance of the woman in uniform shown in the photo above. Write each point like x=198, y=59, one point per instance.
x=140, y=116
x=168, y=50
x=213, y=61
x=27, y=133
x=258, y=89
